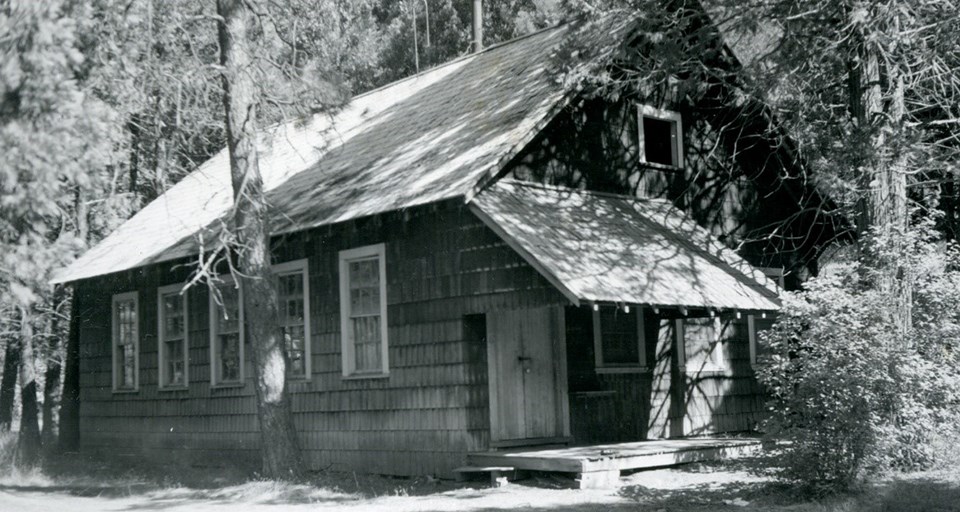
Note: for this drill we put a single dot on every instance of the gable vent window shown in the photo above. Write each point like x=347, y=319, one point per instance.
x=661, y=137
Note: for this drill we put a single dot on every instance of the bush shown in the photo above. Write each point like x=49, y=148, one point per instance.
x=852, y=396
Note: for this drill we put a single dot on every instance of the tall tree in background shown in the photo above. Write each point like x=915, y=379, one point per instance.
x=279, y=447
x=866, y=89
x=57, y=141
x=862, y=93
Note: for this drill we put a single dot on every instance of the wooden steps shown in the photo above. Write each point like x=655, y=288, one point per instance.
x=599, y=466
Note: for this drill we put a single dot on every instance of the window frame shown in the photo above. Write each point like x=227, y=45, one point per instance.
x=214, y=307
x=162, y=291
x=292, y=267
x=347, y=347
x=114, y=339
x=660, y=115
x=600, y=366
x=712, y=365
x=753, y=332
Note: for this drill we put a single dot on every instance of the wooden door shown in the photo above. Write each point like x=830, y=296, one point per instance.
x=526, y=354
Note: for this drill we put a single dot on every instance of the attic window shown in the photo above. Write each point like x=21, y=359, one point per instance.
x=661, y=136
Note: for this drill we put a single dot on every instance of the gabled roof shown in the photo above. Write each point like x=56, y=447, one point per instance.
x=434, y=136
x=598, y=247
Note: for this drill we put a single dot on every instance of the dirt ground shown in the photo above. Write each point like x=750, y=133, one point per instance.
x=734, y=485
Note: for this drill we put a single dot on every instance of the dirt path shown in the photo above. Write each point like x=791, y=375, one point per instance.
x=249, y=498
x=694, y=488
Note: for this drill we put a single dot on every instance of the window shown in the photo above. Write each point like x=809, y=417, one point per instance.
x=363, y=311
x=294, y=306
x=172, y=336
x=618, y=340
x=757, y=323
x=126, y=342
x=661, y=136
x=699, y=340
x=226, y=334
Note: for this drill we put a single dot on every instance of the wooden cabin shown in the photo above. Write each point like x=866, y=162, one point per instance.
x=436, y=296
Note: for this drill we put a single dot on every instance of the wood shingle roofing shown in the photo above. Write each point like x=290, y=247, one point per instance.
x=605, y=248
x=434, y=136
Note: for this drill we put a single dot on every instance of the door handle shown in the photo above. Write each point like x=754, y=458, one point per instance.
x=525, y=362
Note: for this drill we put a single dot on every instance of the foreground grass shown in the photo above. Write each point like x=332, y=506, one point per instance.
x=86, y=485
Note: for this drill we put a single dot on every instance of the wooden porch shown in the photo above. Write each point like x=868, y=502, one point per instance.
x=597, y=466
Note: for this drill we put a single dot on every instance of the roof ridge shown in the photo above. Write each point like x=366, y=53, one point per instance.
x=460, y=58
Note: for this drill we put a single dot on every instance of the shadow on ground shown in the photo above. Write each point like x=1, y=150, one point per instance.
x=744, y=485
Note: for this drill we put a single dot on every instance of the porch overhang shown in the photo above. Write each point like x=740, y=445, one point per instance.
x=601, y=248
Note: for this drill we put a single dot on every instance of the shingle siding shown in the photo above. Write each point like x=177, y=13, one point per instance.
x=442, y=264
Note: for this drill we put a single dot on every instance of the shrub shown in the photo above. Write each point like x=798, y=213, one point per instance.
x=851, y=394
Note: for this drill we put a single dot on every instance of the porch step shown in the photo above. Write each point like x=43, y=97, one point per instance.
x=499, y=475
x=600, y=465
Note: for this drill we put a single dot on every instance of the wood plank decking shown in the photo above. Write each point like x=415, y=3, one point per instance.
x=600, y=465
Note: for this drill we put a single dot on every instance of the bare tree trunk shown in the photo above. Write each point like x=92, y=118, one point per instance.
x=70, y=399
x=51, y=378
x=883, y=209
x=8, y=383
x=28, y=440
x=279, y=448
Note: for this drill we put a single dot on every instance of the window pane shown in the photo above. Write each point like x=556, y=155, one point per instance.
x=618, y=332
x=173, y=316
x=294, y=341
x=366, y=337
x=175, y=364
x=699, y=339
x=658, y=140
x=128, y=366
x=229, y=357
x=228, y=317
x=364, y=287
x=126, y=337
x=292, y=307
x=365, y=273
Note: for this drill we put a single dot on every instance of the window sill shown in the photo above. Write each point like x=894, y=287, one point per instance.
x=594, y=394
x=365, y=376
x=165, y=389
x=709, y=371
x=227, y=385
x=621, y=369
x=125, y=391
x=661, y=167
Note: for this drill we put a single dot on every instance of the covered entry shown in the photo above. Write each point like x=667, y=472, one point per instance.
x=527, y=377
x=655, y=336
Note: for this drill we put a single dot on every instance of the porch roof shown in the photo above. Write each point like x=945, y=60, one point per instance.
x=606, y=248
